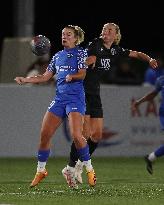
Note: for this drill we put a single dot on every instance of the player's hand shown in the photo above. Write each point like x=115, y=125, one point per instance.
x=68, y=78
x=20, y=80
x=153, y=63
x=134, y=106
x=91, y=60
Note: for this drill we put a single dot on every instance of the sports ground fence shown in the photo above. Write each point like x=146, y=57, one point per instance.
x=124, y=134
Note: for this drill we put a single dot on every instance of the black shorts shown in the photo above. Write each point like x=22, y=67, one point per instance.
x=93, y=106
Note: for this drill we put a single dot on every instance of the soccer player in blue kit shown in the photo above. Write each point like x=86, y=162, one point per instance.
x=69, y=101
x=102, y=52
x=159, y=87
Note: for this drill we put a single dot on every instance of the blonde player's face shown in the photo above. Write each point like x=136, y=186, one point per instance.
x=68, y=38
x=109, y=33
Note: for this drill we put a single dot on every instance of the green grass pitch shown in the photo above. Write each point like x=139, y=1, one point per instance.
x=120, y=181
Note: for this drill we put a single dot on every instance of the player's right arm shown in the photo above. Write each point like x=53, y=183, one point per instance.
x=148, y=97
x=151, y=95
x=35, y=79
x=50, y=71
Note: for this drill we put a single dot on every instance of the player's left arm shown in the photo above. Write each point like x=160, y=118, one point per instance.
x=80, y=75
x=81, y=66
x=142, y=56
x=91, y=60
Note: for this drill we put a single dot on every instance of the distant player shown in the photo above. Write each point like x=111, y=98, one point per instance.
x=159, y=87
x=103, y=52
x=69, y=101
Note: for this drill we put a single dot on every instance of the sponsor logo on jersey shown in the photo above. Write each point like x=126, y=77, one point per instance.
x=113, y=51
x=105, y=63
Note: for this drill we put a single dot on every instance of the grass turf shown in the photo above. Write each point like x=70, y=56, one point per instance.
x=122, y=181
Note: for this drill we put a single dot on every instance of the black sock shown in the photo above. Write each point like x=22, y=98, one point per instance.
x=92, y=146
x=73, y=156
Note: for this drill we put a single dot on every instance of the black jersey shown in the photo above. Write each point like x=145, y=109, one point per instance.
x=105, y=59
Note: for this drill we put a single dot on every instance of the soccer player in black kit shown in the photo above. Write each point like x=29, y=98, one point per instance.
x=102, y=52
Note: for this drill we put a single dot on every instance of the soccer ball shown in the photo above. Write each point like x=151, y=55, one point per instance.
x=40, y=45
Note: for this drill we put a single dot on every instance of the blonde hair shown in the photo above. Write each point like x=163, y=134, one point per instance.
x=79, y=33
x=118, y=33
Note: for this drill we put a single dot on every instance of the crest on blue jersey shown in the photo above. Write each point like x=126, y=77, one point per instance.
x=69, y=55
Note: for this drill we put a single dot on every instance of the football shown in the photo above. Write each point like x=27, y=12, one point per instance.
x=40, y=45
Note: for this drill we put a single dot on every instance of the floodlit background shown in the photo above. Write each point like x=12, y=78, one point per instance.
x=127, y=136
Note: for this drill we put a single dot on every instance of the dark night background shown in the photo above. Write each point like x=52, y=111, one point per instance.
x=141, y=25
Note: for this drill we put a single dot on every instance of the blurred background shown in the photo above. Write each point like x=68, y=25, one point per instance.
x=127, y=136
x=23, y=107
x=141, y=27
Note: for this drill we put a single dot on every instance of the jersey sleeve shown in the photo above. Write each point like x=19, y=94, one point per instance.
x=51, y=67
x=82, y=55
x=150, y=76
x=158, y=85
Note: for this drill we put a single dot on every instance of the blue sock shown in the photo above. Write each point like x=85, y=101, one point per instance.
x=43, y=155
x=160, y=151
x=84, y=153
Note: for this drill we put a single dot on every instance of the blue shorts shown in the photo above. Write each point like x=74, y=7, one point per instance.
x=62, y=108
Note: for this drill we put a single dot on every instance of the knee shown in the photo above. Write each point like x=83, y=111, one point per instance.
x=78, y=139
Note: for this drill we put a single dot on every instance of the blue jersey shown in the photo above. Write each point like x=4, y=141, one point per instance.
x=68, y=61
x=159, y=87
x=70, y=96
x=151, y=75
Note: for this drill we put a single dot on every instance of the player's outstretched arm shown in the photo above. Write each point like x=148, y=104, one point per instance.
x=34, y=79
x=142, y=56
